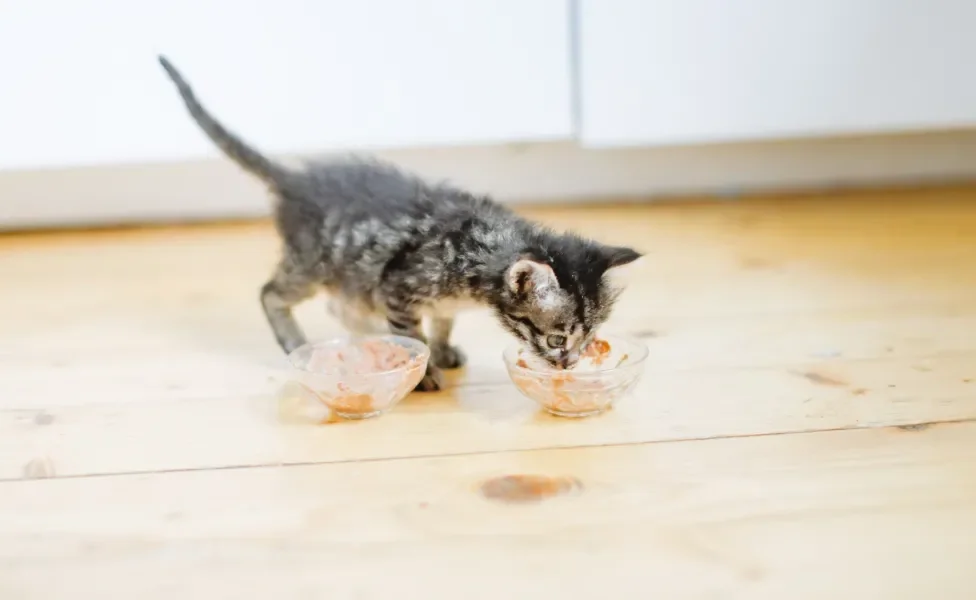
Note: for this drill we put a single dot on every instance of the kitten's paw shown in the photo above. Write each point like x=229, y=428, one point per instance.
x=290, y=345
x=448, y=357
x=433, y=381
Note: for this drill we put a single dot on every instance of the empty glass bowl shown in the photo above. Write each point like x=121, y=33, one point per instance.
x=601, y=377
x=359, y=377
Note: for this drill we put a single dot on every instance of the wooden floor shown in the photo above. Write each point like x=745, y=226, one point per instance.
x=805, y=428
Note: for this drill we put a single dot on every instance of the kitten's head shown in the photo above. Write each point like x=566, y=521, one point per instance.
x=555, y=301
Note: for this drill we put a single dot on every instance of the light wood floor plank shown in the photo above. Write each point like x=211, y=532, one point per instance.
x=147, y=449
x=236, y=429
x=146, y=350
x=880, y=513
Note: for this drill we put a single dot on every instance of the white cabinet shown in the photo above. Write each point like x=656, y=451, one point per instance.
x=657, y=72
x=81, y=85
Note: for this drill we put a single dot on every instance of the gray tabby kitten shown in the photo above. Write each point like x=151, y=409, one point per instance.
x=391, y=250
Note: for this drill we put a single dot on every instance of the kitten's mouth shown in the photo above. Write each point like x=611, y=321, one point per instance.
x=556, y=365
x=562, y=365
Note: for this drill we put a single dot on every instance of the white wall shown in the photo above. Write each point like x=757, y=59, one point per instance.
x=81, y=85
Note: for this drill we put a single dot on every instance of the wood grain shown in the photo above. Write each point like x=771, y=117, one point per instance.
x=238, y=428
x=857, y=513
x=802, y=429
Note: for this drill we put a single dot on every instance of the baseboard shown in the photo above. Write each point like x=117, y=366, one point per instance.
x=212, y=188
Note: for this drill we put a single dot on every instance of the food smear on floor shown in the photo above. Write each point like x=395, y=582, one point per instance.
x=528, y=488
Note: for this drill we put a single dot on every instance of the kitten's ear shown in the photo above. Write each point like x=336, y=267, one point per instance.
x=618, y=256
x=526, y=276
x=623, y=262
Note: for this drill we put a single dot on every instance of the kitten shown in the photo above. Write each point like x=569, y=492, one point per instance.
x=391, y=250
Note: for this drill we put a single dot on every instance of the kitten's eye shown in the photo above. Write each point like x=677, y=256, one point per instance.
x=556, y=341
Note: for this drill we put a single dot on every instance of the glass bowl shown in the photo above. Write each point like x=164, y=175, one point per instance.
x=604, y=374
x=359, y=377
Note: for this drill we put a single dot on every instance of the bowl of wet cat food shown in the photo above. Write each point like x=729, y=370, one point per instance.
x=607, y=371
x=359, y=377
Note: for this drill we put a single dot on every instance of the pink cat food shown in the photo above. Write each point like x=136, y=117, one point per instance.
x=363, y=358
x=574, y=392
x=597, y=351
x=364, y=377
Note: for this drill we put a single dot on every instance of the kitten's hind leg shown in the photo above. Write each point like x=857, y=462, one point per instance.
x=278, y=296
x=442, y=352
x=404, y=321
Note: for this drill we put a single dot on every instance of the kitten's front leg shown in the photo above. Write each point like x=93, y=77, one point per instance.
x=405, y=321
x=278, y=296
x=442, y=352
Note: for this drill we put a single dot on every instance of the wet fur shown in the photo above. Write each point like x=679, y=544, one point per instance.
x=392, y=250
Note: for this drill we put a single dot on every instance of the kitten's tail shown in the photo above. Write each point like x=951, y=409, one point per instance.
x=247, y=157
